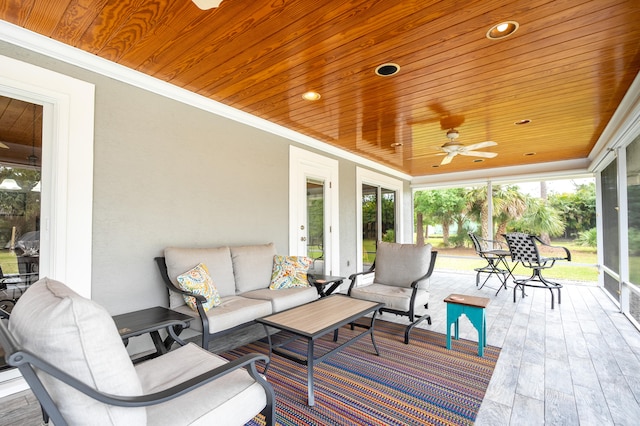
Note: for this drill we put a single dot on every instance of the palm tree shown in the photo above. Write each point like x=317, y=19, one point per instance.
x=540, y=218
x=509, y=204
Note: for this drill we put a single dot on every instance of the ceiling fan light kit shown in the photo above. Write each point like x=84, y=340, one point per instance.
x=207, y=4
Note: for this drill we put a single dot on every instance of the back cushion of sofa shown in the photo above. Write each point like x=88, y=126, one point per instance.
x=252, y=266
x=218, y=261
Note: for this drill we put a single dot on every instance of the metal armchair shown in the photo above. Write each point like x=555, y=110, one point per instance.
x=70, y=353
x=524, y=249
x=495, y=255
x=401, y=281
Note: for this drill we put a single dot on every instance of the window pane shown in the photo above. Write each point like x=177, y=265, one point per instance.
x=633, y=212
x=315, y=225
x=388, y=216
x=610, y=226
x=369, y=224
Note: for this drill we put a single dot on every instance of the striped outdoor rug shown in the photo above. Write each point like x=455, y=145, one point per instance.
x=417, y=384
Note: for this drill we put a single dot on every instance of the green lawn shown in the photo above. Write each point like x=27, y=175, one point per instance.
x=466, y=259
x=8, y=262
x=579, y=269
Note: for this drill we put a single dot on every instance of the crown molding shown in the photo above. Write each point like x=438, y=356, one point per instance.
x=542, y=171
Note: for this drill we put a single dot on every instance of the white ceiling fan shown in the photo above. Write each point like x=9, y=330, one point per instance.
x=453, y=148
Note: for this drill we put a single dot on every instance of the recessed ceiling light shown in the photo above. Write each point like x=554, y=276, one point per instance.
x=525, y=121
x=311, y=96
x=529, y=154
x=502, y=30
x=385, y=70
x=396, y=144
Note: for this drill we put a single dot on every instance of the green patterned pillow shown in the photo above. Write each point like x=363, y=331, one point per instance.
x=290, y=271
x=198, y=281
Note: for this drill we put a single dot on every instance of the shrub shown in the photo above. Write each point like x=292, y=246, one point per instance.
x=588, y=238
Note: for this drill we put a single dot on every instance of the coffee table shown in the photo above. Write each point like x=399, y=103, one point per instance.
x=314, y=320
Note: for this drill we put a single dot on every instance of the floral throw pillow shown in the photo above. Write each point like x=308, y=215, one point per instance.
x=198, y=281
x=290, y=271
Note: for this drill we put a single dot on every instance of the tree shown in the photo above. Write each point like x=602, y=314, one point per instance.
x=440, y=206
x=540, y=218
x=508, y=205
x=577, y=209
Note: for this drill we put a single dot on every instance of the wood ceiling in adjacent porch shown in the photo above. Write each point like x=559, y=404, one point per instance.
x=566, y=68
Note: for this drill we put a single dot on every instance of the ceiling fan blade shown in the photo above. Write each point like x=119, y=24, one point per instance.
x=447, y=159
x=479, y=154
x=480, y=145
x=4, y=145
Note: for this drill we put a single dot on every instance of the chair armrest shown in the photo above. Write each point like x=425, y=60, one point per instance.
x=567, y=256
x=167, y=282
x=492, y=244
x=432, y=265
x=353, y=277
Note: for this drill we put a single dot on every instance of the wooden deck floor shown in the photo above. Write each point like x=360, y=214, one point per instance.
x=578, y=364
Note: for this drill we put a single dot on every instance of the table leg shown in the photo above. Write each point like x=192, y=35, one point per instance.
x=158, y=343
x=333, y=287
x=371, y=328
x=266, y=330
x=174, y=333
x=479, y=322
x=310, y=363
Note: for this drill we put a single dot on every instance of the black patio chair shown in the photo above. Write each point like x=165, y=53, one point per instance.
x=400, y=281
x=524, y=249
x=495, y=255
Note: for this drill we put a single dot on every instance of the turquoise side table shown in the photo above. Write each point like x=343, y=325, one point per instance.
x=473, y=308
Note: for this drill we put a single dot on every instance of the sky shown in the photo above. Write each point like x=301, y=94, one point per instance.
x=557, y=186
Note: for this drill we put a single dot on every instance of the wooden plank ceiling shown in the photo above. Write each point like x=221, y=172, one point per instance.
x=566, y=68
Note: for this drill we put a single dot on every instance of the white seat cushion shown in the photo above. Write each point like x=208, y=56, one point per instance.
x=233, y=311
x=79, y=337
x=233, y=399
x=393, y=297
x=284, y=298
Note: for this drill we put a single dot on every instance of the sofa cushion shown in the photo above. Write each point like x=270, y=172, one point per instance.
x=79, y=337
x=233, y=311
x=285, y=298
x=218, y=261
x=252, y=266
x=401, y=264
x=393, y=297
x=228, y=400
x=198, y=281
x=289, y=271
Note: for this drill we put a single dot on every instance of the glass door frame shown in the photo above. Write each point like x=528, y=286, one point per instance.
x=304, y=165
x=369, y=177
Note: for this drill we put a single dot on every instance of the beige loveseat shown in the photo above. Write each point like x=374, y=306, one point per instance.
x=242, y=275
